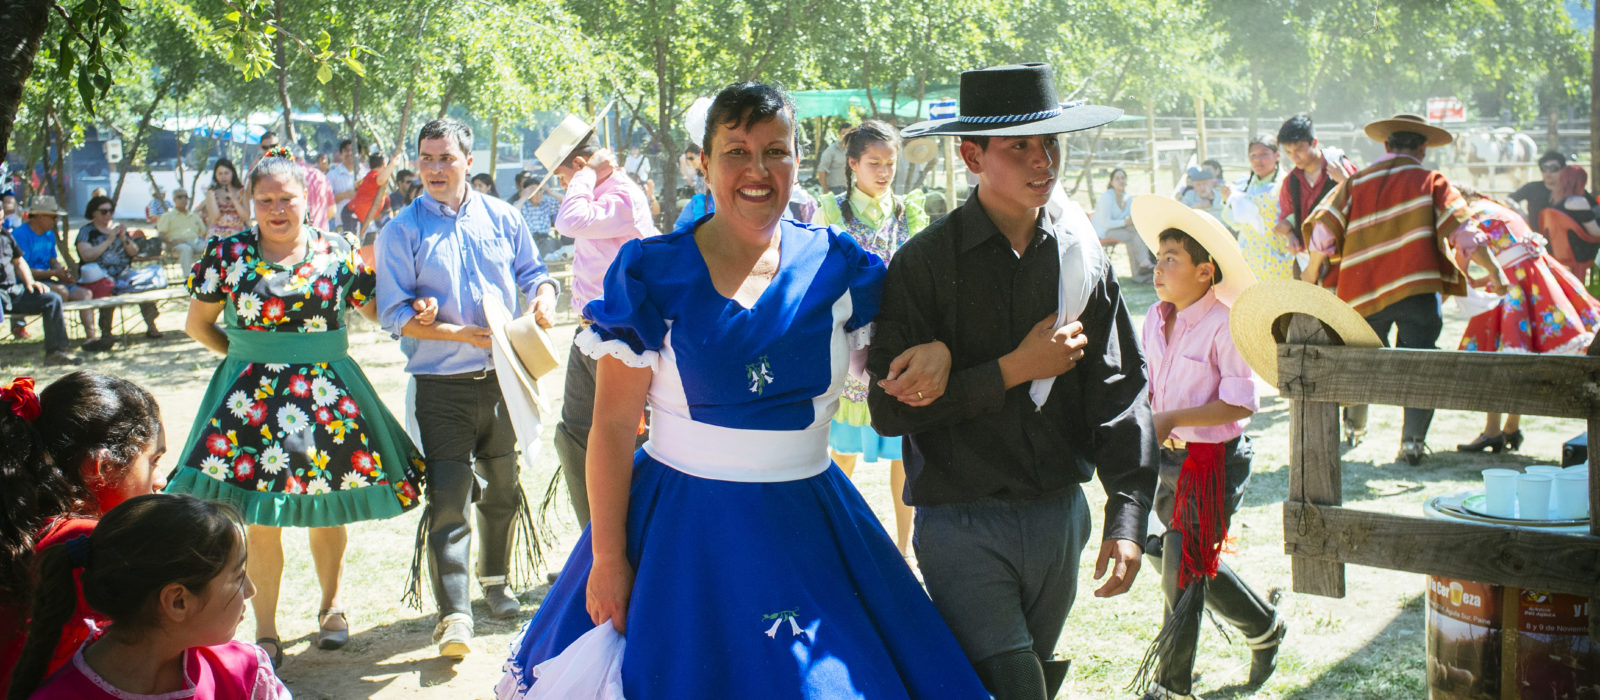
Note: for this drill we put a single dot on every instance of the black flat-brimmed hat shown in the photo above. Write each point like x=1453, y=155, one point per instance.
x=1017, y=100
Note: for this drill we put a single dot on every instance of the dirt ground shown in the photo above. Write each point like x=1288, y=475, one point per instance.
x=1368, y=645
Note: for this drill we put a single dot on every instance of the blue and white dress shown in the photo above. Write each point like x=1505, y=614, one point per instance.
x=759, y=570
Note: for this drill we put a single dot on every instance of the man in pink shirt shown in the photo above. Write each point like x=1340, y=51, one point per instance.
x=602, y=210
x=319, y=195
x=1202, y=394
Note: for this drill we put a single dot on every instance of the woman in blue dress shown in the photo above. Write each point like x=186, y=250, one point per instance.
x=736, y=558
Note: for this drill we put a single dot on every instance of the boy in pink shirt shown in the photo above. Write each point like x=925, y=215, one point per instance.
x=1202, y=395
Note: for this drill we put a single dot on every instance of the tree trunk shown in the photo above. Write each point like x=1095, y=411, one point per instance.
x=355, y=114
x=1255, y=97
x=866, y=83
x=139, y=136
x=494, y=147
x=22, y=25
x=281, y=56
x=668, y=194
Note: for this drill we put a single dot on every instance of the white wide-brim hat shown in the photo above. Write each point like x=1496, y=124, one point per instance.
x=1153, y=213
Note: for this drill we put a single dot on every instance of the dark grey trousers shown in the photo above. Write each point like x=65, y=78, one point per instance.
x=1417, y=322
x=1004, y=573
x=1226, y=595
x=572, y=433
x=471, y=452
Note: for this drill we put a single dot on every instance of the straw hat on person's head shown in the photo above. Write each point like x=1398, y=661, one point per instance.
x=45, y=205
x=1254, y=323
x=919, y=151
x=558, y=146
x=1380, y=130
x=1153, y=213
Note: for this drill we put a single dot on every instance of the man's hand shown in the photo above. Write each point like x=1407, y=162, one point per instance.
x=1122, y=556
x=919, y=375
x=427, y=309
x=477, y=336
x=1044, y=352
x=544, y=306
x=602, y=163
x=37, y=286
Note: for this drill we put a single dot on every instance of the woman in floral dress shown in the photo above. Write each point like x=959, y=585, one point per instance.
x=1253, y=209
x=1545, y=308
x=225, y=206
x=880, y=222
x=290, y=432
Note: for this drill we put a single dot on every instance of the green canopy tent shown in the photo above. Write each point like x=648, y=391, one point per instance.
x=839, y=103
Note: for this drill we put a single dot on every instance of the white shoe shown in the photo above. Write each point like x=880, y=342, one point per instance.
x=454, y=634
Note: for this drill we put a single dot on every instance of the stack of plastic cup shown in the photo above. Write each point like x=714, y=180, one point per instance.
x=1500, y=492
x=1571, y=491
x=1533, y=496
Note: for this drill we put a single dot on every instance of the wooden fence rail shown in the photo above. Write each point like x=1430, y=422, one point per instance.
x=1317, y=374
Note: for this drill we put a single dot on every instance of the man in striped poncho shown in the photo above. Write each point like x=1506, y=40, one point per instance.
x=1380, y=241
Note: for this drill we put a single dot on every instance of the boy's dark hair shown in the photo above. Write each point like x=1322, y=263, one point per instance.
x=1297, y=129
x=137, y=549
x=982, y=141
x=375, y=160
x=1404, y=141
x=404, y=175
x=585, y=149
x=87, y=412
x=741, y=104
x=1553, y=156
x=1197, y=253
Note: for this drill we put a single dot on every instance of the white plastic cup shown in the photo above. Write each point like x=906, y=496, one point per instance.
x=1500, y=492
x=1545, y=469
x=1533, y=496
x=1571, y=492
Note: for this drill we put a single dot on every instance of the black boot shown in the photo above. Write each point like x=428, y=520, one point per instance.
x=1015, y=675
x=1264, y=653
x=1055, y=673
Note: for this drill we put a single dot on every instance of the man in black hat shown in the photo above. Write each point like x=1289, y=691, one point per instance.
x=1046, y=387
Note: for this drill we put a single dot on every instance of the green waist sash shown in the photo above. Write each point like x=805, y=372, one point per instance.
x=287, y=348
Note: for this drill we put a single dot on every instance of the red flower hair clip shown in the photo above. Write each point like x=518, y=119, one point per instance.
x=19, y=393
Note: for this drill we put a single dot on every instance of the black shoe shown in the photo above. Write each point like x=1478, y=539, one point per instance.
x=1412, y=452
x=1264, y=654
x=1494, y=444
x=502, y=603
x=102, y=344
x=1513, y=439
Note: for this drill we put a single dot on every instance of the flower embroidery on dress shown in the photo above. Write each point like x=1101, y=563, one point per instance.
x=778, y=618
x=760, y=375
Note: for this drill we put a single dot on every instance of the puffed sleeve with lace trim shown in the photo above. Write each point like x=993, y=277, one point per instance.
x=625, y=322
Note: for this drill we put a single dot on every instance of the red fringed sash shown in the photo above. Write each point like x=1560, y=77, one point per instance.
x=1198, y=505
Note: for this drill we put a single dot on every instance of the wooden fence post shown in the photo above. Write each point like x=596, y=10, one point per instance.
x=1314, y=468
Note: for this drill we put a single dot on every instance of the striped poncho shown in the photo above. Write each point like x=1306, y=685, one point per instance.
x=1391, y=223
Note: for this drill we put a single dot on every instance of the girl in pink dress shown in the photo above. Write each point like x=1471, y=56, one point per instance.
x=168, y=571
x=1545, y=310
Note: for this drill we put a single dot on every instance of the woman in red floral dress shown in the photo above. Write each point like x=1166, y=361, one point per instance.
x=1545, y=309
x=290, y=432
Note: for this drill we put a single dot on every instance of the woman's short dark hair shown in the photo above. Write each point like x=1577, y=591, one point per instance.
x=1553, y=157
x=95, y=203
x=225, y=163
x=485, y=179
x=1297, y=129
x=86, y=412
x=741, y=104
x=139, y=548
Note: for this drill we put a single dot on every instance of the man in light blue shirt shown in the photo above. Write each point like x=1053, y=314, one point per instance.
x=438, y=259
